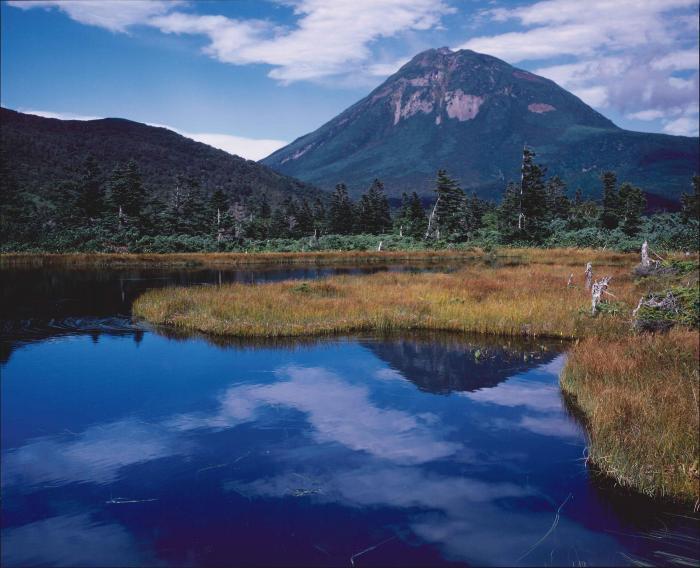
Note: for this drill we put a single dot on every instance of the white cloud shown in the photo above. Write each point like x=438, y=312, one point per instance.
x=114, y=15
x=678, y=60
x=387, y=68
x=519, y=392
x=95, y=455
x=650, y=114
x=329, y=38
x=58, y=115
x=683, y=126
x=249, y=148
x=70, y=540
x=331, y=405
x=624, y=52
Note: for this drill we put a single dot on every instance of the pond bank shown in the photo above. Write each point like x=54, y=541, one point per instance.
x=529, y=297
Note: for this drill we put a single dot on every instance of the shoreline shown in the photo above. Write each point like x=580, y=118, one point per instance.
x=528, y=298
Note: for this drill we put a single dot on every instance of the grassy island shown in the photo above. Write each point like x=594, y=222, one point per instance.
x=638, y=393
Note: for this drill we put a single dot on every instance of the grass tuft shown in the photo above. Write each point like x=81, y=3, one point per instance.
x=639, y=395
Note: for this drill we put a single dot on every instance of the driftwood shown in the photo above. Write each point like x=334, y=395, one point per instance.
x=589, y=275
x=599, y=288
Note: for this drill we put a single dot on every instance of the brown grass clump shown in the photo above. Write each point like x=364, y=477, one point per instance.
x=640, y=396
x=528, y=299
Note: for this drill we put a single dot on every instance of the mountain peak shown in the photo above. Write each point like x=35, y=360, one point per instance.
x=470, y=113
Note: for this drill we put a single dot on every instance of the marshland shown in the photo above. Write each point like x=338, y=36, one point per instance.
x=279, y=289
x=402, y=389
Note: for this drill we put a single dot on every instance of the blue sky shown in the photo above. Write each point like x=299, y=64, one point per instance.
x=249, y=76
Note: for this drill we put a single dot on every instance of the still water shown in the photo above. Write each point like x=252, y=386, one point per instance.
x=122, y=445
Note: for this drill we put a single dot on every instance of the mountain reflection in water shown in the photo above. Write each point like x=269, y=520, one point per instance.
x=133, y=447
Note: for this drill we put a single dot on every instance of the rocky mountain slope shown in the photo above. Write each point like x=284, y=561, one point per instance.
x=471, y=114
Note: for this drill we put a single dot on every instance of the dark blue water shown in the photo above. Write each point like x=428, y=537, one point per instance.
x=122, y=446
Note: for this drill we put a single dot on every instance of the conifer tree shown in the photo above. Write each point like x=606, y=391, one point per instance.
x=373, y=214
x=534, y=211
x=418, y=221
x=90, y=198
x=557, y=201
x=448, y=221
x=218, y=206
x=16, y=211
x=341, y=214
x=195, y=219
x=475, y=209
x=279, y=227
x=126, y=190
x=610, y=215
x=320, y=218
x=411, y=219
x=508, y=214
x=631, y=202
x=305, y=219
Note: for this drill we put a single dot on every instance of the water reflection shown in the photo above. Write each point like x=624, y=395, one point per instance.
x=464, y=363
x=70, y=540
x=121, y=446
x=194, y=453
x=41, y=303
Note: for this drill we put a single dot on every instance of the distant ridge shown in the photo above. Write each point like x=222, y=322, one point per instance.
x=471, y=114
x=44, y=151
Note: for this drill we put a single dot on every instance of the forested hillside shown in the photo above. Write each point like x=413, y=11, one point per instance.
x=41, y=152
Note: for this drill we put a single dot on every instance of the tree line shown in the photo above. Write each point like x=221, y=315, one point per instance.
x=116, y=210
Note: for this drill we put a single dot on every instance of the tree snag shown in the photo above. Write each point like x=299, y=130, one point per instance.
x=589, y=275
x=599, y=288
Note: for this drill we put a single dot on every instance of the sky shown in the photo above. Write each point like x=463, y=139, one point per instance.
x=250, y=76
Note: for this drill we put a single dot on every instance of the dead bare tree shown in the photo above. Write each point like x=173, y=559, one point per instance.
x=570, y=283
x=599, y=288
x=430, y=219
x=589, y=275
x=645, y=255
x=664, y=311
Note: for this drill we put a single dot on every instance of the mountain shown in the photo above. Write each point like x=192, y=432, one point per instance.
x=471, y=114
x=41, y=152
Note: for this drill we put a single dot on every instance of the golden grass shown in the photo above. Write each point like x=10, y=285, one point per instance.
x=524, y=299
x=639, y=396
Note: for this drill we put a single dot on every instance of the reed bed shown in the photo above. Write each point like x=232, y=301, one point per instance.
x=521, y=299
x=639, y=396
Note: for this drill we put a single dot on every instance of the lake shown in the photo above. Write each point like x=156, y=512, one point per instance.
x=123, y=445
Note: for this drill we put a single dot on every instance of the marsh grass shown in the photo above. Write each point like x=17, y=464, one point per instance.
x=639, y=396
x=522, y=299
x=638, y=393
